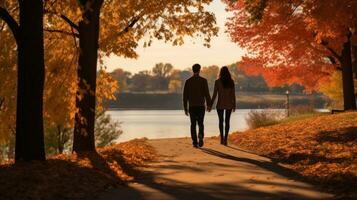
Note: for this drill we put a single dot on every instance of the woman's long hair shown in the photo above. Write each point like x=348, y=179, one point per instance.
x=226, y=78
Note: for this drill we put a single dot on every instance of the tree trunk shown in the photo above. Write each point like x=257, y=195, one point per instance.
x=60, y=139
x=83, y=139
x=347, y=77
x=354, y=53
x=30, y=85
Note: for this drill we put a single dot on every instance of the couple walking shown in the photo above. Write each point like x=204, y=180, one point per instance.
x=196, y=98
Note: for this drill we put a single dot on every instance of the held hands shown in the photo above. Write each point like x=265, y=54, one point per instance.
x=209, y=106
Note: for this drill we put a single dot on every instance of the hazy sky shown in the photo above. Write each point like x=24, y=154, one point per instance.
x=222, y=51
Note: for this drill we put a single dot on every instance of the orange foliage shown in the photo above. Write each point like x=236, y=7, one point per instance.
x=292, y=40
x=322, y=149
x=75, y=176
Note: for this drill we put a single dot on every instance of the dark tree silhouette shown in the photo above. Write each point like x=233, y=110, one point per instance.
x=349, y=98
x=88, y=29
x=28, y=34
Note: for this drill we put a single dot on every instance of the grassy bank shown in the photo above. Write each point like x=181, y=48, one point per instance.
x=323, y=149
x=74, y=176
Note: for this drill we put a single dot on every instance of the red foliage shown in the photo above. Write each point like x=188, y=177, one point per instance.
x=293, y=40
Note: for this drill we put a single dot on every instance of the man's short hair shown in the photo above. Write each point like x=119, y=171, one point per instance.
x=196, y=68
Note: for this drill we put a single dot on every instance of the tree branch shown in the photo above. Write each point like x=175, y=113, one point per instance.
x=10, y=21
x=130, y=25
x=70, y=22
x=332, y=60
x=62, y=32
x=64, y=18
x=333, y=52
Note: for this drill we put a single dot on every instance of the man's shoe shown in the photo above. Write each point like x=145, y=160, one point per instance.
x=195, y=146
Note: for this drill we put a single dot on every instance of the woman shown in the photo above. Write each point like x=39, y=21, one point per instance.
x=224, y=88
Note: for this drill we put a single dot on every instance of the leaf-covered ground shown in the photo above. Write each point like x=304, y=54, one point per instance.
x=322, y=149
x=75, y=176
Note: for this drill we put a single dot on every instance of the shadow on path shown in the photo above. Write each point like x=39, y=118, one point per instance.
x=268, y=165
x=168, y=189
x=162, y=182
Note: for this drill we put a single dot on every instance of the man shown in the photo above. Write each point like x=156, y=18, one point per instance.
x=195, y=98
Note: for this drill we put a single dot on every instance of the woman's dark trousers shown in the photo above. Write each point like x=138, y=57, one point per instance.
x=224, y=116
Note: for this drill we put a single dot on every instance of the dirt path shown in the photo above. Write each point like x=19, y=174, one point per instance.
x=213, y=172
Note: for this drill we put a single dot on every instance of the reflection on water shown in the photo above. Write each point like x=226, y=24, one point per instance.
x=155, y=124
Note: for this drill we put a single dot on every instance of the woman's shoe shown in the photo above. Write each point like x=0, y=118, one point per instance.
x=200, y=143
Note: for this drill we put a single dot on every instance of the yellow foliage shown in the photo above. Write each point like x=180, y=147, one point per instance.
x=333, y=88
x=125, y=23
x=8, y=84
x=175, y=86
x=106, y=88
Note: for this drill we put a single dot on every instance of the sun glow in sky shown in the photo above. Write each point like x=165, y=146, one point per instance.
x=221, y=52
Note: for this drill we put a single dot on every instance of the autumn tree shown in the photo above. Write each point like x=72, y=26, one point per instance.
x=333, y=89
x=176, y=82
x=8, y=60
x=132, y=20
x=28, y=34
x=161, y=74
x=175, y=86
x=296, y=41
x=162, y=70
x=211, y=74
x=60, y=87
x=122, y=78
x=140, y=82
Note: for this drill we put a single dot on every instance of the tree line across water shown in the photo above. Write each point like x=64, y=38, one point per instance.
x=164, y=78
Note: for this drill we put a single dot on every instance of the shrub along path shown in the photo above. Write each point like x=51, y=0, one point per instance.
x=212, y=172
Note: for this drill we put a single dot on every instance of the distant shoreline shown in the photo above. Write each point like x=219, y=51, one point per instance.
x=173, y=101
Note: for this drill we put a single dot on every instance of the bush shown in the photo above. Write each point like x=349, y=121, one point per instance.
x=106, y=130
x=263, y=118
x=59, y=140
x=301, y=109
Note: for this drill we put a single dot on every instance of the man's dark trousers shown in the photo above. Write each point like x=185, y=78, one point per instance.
x=197, y=114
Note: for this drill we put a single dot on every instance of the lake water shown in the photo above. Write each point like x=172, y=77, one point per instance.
x=154, y=124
